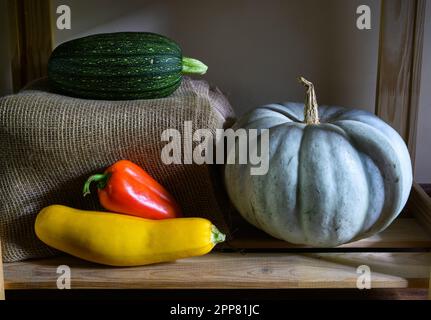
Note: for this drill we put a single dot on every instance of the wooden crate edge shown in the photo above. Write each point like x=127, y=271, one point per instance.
x=419, y=204
x=2, y=286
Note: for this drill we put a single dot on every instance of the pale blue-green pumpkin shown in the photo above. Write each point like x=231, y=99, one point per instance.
x=335, y=174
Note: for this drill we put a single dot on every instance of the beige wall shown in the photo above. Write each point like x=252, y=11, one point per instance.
x=255, y=49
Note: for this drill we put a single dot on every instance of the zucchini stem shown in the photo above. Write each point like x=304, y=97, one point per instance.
x=193, y=66
x=216, y=235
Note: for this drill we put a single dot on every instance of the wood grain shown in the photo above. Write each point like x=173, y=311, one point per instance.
x=429, y=288
x=2, y=294
x=416, y=78
x=420, y=204
x=31, y=40
x=394, y=67
x=400, y=57
x=232, y=270
x=402, y=233
x=15, y=39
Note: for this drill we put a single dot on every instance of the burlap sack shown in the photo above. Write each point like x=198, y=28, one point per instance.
x=51, y=143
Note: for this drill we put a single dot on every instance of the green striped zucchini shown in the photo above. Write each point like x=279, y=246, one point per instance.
x=120, y=66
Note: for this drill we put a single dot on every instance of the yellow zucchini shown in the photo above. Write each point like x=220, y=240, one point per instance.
x=123, y=240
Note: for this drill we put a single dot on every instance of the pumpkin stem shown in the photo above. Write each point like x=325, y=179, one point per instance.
x=191, y=65
x=311, y=113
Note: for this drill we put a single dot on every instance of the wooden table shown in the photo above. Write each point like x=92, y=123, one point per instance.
x=403, y=264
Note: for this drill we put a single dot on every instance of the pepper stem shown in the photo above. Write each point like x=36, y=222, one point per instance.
x=216, y=235
x=101, y=180
x=311, y=113
x=195, y=66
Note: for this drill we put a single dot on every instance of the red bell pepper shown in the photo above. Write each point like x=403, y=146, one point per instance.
x=126, y=188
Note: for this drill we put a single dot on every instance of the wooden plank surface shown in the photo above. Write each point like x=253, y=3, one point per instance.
x=2, y=295
x=420, y=205
x=232, y=270
x=429, y=288
x=400, y=54
x=416, y=77
x=31, y=39
x=402, y=233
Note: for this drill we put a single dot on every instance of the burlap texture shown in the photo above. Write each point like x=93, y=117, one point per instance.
x=51, y=143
